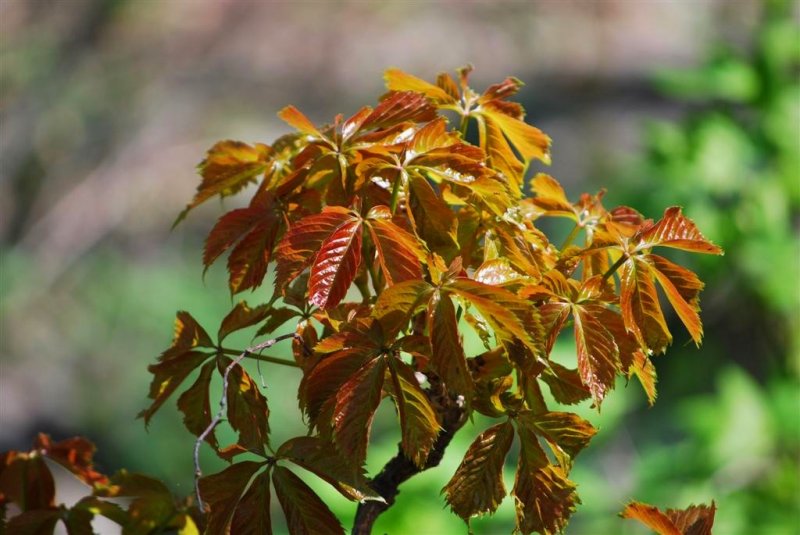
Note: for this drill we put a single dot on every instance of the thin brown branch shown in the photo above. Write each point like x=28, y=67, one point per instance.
x=223, y=403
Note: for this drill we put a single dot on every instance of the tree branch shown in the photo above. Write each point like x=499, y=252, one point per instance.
x=400, y=468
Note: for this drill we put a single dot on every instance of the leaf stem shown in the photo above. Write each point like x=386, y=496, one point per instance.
x=248, y=353
x=622, y=259
x=464, y=125
x=571, y=236
x=395, y=193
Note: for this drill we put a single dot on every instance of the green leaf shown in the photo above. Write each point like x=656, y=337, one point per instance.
x=305, y=513
x=418, y=422
x=477, y=486
x=223, y=491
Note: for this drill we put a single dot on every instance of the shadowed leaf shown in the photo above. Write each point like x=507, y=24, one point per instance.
x=247, y=408
x=196, y=407
x=252, y=514
x=223, y=491
x=305, y=513
x=241, y=317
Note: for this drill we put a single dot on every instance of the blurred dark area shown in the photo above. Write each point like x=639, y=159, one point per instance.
x=107, y=106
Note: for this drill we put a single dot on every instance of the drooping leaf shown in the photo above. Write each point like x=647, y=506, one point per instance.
x=565, y=384
x=324, y=460
x=642, y=367
x=682, y=288
x=676, y=231
x=241, y=317
x=299, y=246
x=324, y=380
x=196, y=407
x=447, y=348
x=598, y=353
x=640, y=307
x=223, y=491
x=227, y=168
x=34, y=522
x=150, y=504
x=694, y=520
x=565, y=430
x=397, y=80
x=168, y=376
x=432, y=218
x=400, y=254
x=544, y=499
x=418, y=422
x=529, y=141
x=247, y=408
x=275, y=317
x=477, y=486
x=252, y=514
x=355, y=406
x=305, y=513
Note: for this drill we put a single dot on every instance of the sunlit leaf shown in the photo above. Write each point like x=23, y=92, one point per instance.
x=598, y=353
x=433, y=219
x=694, y=520
x=640, y=307
x=530, y=142
x=550, y=197
x=676, y=231
x=400, y=107
x=477, y=486
x=295, y=118
x=305, y=513
x=642, y=367
x=397, y=80
x=544, y=498
x=400, y=254
x=335, y=265
x=447, y=347
x=227, y=168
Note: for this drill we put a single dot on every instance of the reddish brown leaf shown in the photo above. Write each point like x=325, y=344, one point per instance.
x=675, y=230
x=400, y=254
x=335, y=265
x=252, y=514
x=302, y=242
x=400, y=107
x=27, y=481
x=477, y=486
x=695, y=519
x=75, y=454
x=500, y=156
x=640, y=307
x=356, y=403
x=565, y=384
x=418, y=422
x=544, y=498
x=682, y=288
x=397, y=80
x=447, y=348
x=323, y=459
x=223, y=491
x=642, y=367
x=241, y=317
x=228, y=167
x=247, y=408
x=598, y=353
x=188, y=333
x=35, y=522
x=305, y=513
x=651, y=517
x=326, y=379
x=275, y=318
x=397, y=304
x=196, y=407
x=564, y=430
x=168, y=376
x=432, y=218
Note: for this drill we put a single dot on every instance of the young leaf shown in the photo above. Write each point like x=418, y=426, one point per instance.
x=530, y=142
x=322, y=459
x=397, y=80
x=223, y=491
x=196, y=407
x=640, y=307
x=305, y=513
x=676, y=231
x=228, y=167
x=75, y=454
x=295, y=118
x=642, y=367
x=400, y=107
x=168, y=376
x=544, y=498
x=694, y=520
x=477, y=486
x=252, y=515
x=418, y=422
x=300, y=244
x=335, y=265
x=241, y=317
x=247, y=408
x=447, y=349
x=598, y=353
x=400, y=254
x=565, y=430
x=355, y=406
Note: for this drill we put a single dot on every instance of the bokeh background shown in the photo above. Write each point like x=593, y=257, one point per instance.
x=106, y=106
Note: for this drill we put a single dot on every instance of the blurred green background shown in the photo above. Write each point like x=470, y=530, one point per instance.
x=106, y=106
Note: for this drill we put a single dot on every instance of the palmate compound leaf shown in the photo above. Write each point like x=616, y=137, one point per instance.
x=477, y=486
x=305, y=513
x=694, y=520
x=418, y=422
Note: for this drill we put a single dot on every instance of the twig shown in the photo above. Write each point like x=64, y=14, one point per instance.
x=223, y=403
